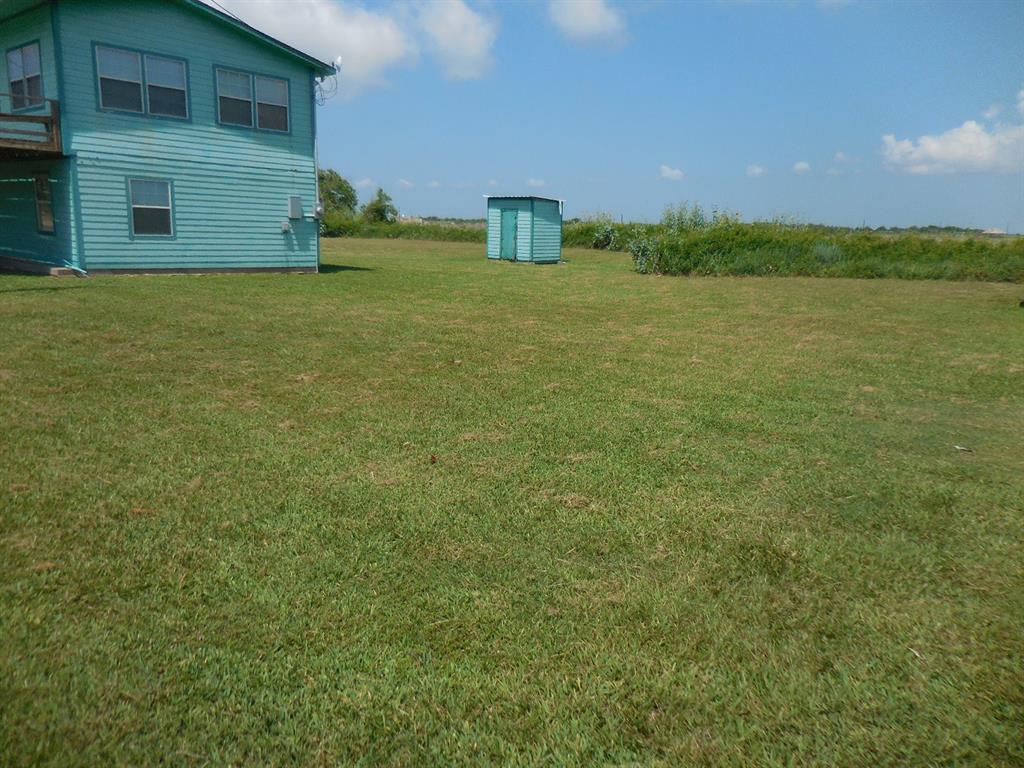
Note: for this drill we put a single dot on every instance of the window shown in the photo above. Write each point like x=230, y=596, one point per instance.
x=120, y=74
x=271, y=104
x=125, y=75
x=234, y=97
x=165, y=86
x=151, y=207
x=239, y=92
x=44, y=202
x=25, y=76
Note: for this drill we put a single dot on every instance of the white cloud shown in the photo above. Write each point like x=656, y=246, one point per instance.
x=670, y=173
x=834, y=172
x=587, y=20
x=992, y=112
x=459, y=37
x=1020, y=102
x=369, y=43
x=405, y=184
x=969, y=148
x=535, y=182
x=801, y=167
x=753, y=171
x=492, y=183
x=842, y=158
x=365, y=183
x=434, y=184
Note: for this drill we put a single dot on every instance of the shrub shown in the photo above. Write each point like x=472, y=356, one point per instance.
x=827, y=253
x=768, y=248
x=644, y=251
x=604, y=235
x=337, y=223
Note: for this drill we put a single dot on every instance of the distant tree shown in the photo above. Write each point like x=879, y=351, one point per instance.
x=381, y=208
x=336, y=192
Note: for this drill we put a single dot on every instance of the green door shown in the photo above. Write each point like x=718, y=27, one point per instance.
x=509, y=223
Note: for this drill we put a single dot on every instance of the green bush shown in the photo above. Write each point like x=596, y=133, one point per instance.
x=604, y=236
x=338, y=223
x=342, y=226
x=765, y=248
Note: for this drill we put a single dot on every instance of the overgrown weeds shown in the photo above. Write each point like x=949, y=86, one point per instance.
x=691, y=241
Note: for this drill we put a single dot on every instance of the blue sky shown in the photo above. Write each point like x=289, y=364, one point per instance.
x=765, y=108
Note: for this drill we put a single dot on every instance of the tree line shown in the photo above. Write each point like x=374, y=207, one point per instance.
x=339, y=198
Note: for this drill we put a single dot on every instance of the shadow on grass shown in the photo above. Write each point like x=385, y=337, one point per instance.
x=326, y=269
x=42, y=288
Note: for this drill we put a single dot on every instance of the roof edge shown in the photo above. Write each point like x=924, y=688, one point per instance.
x=524, y=197
x=323, y=69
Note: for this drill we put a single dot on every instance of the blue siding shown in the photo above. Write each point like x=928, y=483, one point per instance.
x=539, y=229
x=523, y=230
x=19, y=229
x=231, y=185
x=547, y=231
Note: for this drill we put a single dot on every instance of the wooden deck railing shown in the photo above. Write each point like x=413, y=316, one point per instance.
x=30, y=131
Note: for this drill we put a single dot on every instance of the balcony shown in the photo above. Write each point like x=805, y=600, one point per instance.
x=29, y=133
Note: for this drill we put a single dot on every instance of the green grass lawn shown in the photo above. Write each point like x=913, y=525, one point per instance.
x=424, y=508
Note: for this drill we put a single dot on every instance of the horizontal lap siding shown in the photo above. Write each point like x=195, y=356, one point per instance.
x=19, y=227
x=523, y=231
x=493, y=229
x=494, y=207
x=231, y=185
x=547, y=231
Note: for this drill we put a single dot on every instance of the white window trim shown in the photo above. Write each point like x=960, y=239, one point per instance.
x=169, y=208
x=25, y=76
x=287, y=103
x=147, y=84
x=100, y=77
x=251, y=99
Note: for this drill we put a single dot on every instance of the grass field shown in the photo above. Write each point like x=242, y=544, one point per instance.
x=426, y=509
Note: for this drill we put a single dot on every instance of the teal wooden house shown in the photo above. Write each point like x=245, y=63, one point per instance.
x=524, y=228
x=145, y=135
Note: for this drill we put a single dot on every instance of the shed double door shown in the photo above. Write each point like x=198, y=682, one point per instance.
x=509, y=225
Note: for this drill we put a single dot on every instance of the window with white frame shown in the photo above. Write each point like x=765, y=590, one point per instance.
x=44, y=202
x=271, y=103
x=234, y=97
x=120, y=74
x=166, y=87
x=25, y=76
x=151, y=207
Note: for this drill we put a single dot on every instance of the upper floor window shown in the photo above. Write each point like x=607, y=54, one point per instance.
x=234, y=97
x=238, y=93
x=166, y=88
x=131, y=81
x=272, y=103
x=120, y=79
x=24, y=73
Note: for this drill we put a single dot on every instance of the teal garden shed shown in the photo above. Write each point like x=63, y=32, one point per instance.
x=524, y=228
